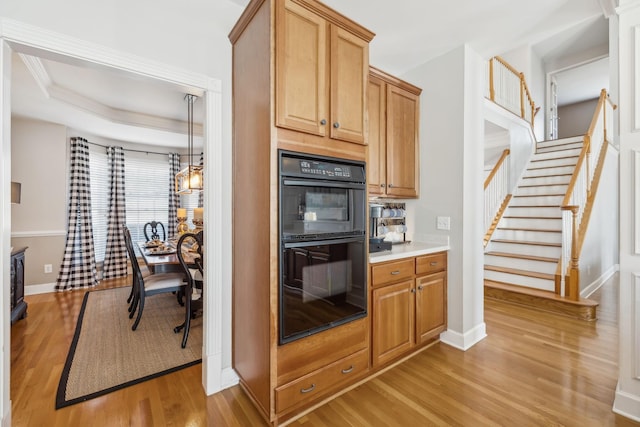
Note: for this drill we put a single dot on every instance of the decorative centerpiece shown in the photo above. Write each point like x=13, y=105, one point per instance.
x=182, y=221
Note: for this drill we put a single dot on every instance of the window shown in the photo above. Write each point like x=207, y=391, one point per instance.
x=146, y=194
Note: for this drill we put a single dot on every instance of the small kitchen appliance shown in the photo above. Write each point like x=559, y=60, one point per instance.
x=376, y=243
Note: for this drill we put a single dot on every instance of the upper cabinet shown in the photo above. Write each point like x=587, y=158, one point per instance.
x=394, y=120
x=321, y=75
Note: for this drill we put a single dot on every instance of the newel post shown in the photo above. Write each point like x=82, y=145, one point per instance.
x=572, y=280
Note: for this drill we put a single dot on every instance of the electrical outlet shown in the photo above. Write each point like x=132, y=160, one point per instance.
x=443, y=223
x=48, y=268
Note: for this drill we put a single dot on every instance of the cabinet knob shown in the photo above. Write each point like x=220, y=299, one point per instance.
x=390, y=185
x=413, y=291
x=307, y=390
x=336, y=125
x=382, y=185
x=420, y=287
x=323, y=122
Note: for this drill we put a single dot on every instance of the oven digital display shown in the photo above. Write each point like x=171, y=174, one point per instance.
x=324, y=169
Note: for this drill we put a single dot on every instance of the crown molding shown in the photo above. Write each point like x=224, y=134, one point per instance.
x=608, y=7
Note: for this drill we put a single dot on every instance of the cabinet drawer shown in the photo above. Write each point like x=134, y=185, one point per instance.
x=392, y=272
x=321, y=382
x=431, y=263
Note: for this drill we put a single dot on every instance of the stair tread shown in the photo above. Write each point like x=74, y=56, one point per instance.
x=539, y=195
x=519, y=272
x=520, y=256
x=540, y=185
x=534, y=206
x=527, y=242
x=530, y=229
x=553, y=158
x=553, y=167
x=533, y=217
x=559, y=149
x=538, y=293
x=547, y=176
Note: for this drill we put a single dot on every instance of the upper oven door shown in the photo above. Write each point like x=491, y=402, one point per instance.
x=316, y=209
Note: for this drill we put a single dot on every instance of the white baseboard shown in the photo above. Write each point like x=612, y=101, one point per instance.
x=596, y=284
x=464, y=341
x=43, y=288
x=215, y=378
x=626, y=404
x=229, y=378
x=6, y=419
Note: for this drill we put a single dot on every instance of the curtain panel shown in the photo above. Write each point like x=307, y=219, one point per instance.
x=174, y=199
x=78, y=268
x=115, y=260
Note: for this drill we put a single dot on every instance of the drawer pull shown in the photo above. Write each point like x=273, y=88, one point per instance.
x=348, y=370
x=307, y=390
x=433, y=263
x=394, y=273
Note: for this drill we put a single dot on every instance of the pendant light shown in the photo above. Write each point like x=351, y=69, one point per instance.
x=189, y=179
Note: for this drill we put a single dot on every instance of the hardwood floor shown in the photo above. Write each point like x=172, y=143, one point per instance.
x=533, y=369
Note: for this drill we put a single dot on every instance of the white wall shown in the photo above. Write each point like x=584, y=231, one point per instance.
x=451, y=164
x=626, y=94
x=600, y=253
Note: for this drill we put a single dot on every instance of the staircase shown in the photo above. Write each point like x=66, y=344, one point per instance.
x=526, y=246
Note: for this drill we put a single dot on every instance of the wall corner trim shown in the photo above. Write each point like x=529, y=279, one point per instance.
x=464, y=341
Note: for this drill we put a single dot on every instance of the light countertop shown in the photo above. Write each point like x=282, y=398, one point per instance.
x=407, y=250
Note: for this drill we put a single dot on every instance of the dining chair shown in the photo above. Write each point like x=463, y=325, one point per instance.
x=154, y=284
x=189, y=251
x=152, y=231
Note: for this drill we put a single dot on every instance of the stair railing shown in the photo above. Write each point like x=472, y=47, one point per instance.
x=579, y=194
x=496, y=192
x=508, y=88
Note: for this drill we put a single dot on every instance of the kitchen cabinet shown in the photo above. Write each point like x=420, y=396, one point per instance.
x=18, y=304
x=299, y=84
x=408, y=306
x=394, y=121
x=321, y=75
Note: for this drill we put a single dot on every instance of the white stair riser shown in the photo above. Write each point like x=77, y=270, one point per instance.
x=553, y=162
x=523, y=249
x=554, y=142
x=528, y=236
x=541, y=189
x=546, y=180
x=521, y=264
x=556, y=154
x=515, y=279
x=534, y=211
x=563, y=170
x=537, y=201
x=547, y=224
x=559, y=148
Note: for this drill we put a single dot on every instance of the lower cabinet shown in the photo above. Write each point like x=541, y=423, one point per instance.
x=408, y=312
x=18, y=304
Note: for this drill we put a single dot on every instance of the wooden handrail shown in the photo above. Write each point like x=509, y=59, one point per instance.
x=506, y=64
x=576, y=171
x=495, y=169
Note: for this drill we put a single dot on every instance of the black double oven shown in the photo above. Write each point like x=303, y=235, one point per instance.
x=323, y=243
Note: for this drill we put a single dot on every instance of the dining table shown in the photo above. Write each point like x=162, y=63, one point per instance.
x=161, y=261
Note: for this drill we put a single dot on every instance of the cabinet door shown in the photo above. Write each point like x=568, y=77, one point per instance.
x=393, y=321
x=402, y=142
x=301, y=70
x=431, y=306
x=376, y=169
x=349, y=70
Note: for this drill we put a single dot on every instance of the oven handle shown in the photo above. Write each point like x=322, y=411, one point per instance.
x=323, y=242
x=310, y=183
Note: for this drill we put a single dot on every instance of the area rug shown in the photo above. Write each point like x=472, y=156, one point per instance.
x=106, y=355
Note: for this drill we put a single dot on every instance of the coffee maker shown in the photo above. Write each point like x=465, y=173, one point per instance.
x=376, y=244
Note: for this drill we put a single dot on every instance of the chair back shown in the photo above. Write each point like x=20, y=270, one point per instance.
x=152, y=231
x=137, y=274
x=187, y=243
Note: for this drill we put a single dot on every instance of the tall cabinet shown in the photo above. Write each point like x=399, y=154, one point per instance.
x=394, y=120
x=300, y=84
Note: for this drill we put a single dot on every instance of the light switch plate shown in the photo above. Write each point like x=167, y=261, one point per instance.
x=443, y=223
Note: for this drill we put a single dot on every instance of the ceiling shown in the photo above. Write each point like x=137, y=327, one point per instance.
x=142, y=110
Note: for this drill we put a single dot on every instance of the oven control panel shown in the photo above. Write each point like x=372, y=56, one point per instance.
x=322, y=168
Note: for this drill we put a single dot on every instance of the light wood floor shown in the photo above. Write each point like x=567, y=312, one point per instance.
x=533, y=369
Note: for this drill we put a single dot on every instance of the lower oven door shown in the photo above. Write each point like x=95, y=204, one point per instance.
x=322, y=284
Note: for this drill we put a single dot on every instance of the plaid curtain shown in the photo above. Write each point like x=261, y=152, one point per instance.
x=78, y=268
x=174, y=199
x=201, y=194
x=115, y=259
